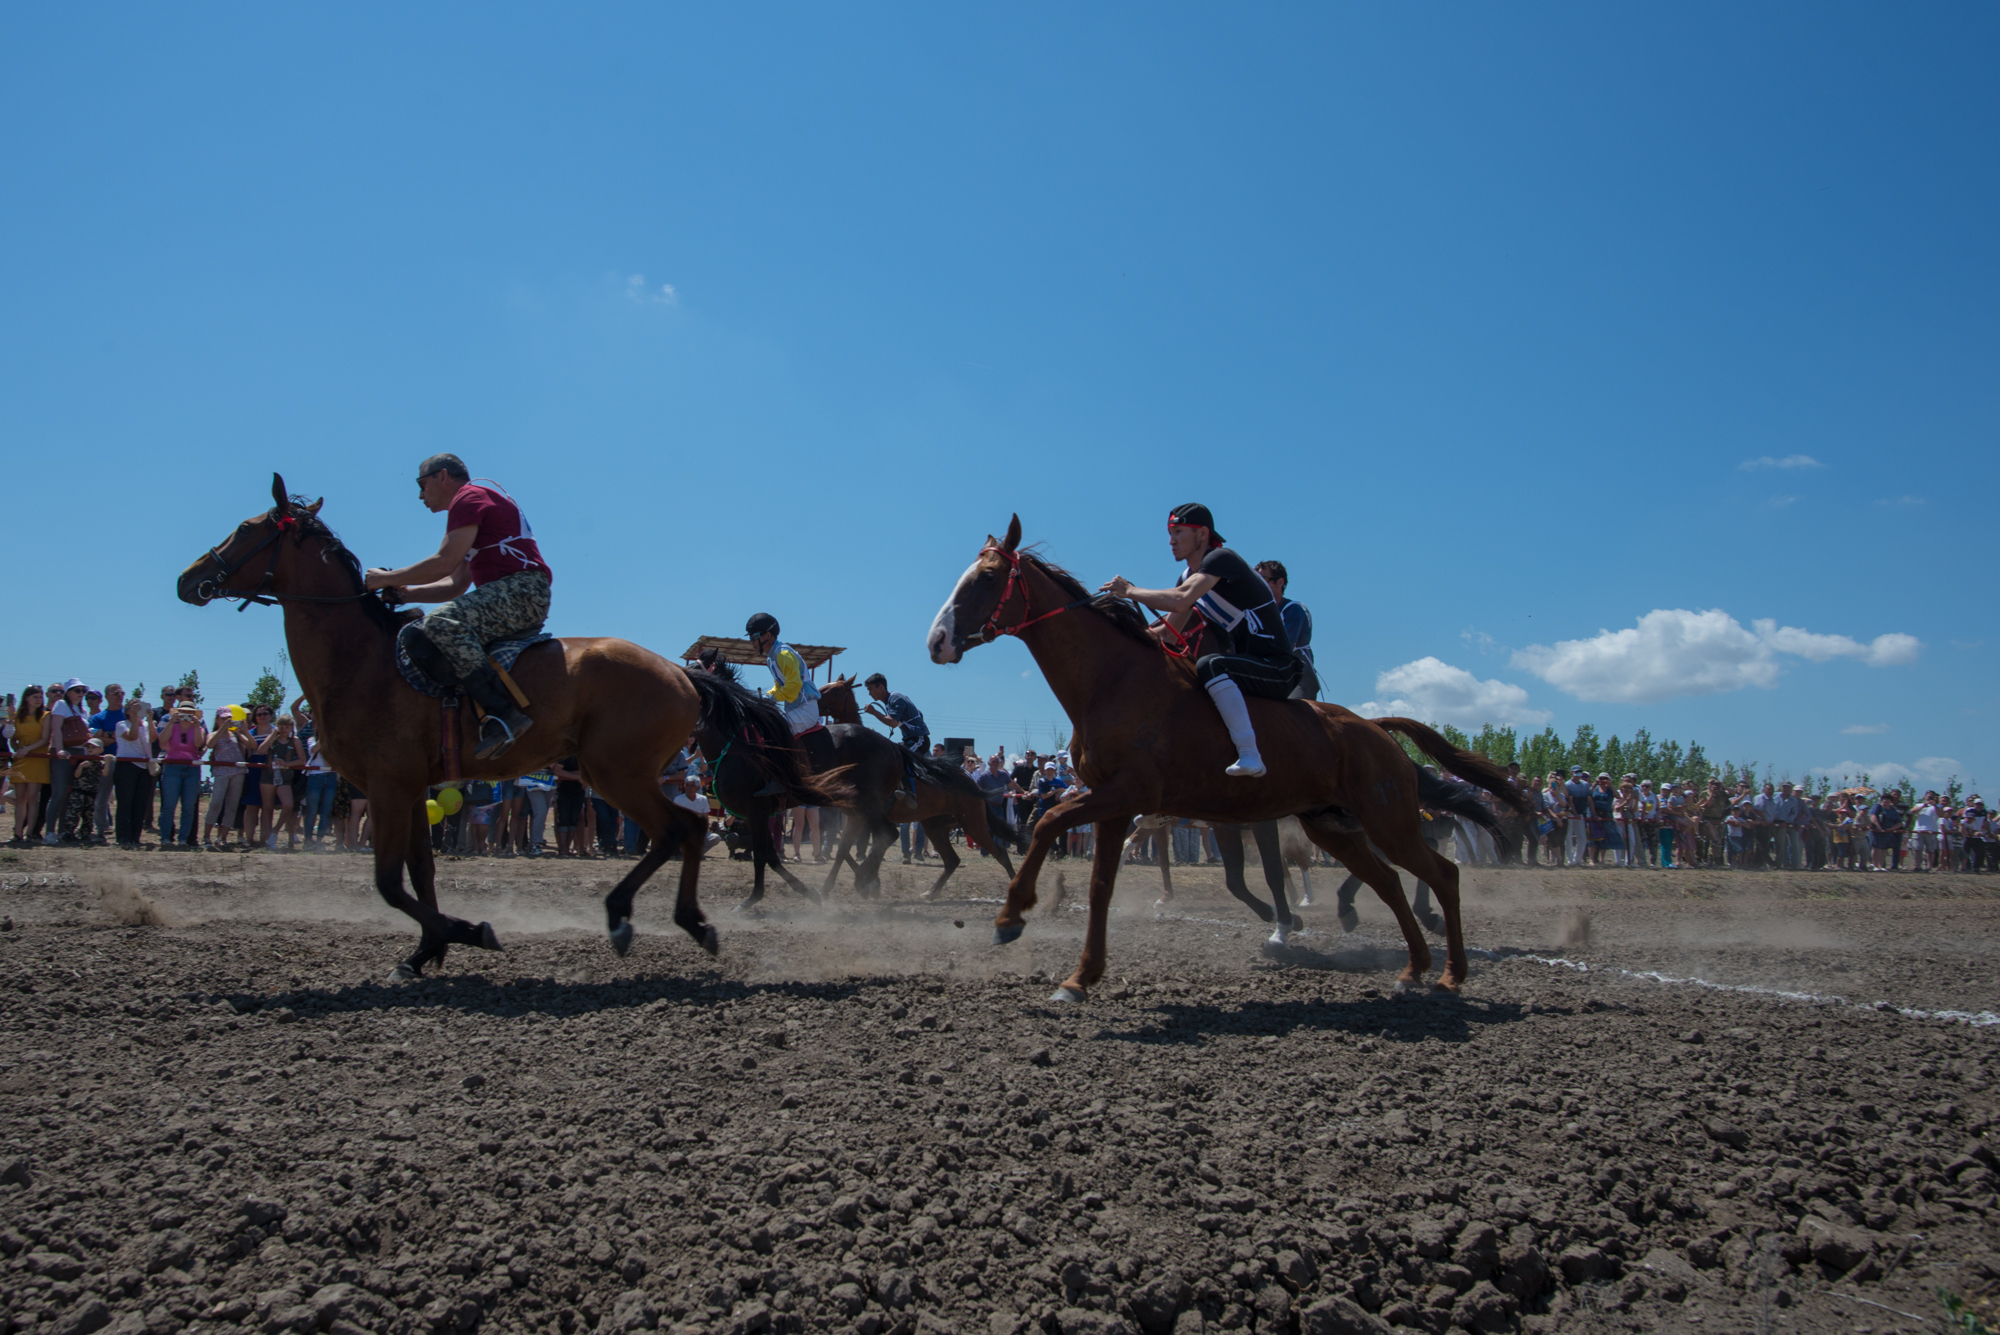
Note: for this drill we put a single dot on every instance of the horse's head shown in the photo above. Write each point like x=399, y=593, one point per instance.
x=971, y=616
x=836, y=700
x=231, y=565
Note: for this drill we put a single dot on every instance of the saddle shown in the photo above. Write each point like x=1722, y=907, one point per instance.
x=423, y=668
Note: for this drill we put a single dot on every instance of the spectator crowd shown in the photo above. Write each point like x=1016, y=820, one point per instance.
x=85, y=767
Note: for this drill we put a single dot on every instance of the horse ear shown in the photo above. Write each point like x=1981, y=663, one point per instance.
x=313, y=509
x=279, y=496
x=1013, y=538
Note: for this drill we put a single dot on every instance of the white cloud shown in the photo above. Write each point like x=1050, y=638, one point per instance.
x=1434, y=691
x=1781, y=502
x=1930, y=772
x=637, y=290
x=1901, y=501
x=1790, y=461
x=1677, y=652
x=1892, y=650
x=1863, y=729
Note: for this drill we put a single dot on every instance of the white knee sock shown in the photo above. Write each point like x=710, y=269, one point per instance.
x=1229, y=702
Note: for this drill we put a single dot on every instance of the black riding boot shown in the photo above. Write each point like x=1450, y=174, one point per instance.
x=504, y=722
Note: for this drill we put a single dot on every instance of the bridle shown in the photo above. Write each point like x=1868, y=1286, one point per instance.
x=992, y=629
x=211, y=587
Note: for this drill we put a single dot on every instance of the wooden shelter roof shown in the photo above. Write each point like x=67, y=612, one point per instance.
x=738, y=650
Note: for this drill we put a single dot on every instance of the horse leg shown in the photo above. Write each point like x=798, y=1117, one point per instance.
x=994, y=844
x=784, y=874
x=1445, y=874
x=1166, y=872
x=1092, y=806
x=394, y=818
x=1265, y=832
x=1305, y=883
x=1103, y=878
x=876, y=849
x=1430, y=920
x=1229, y=839
x=842, y=854
x=938, y=830
x=422, y=862
x=1344, y=902
x=1358, y=856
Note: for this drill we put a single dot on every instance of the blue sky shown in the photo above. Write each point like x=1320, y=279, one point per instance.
x=1633, y=366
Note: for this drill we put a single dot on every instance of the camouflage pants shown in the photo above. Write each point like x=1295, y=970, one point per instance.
x=509, y=606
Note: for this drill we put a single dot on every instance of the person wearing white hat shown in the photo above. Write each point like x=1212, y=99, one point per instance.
x=69, y=735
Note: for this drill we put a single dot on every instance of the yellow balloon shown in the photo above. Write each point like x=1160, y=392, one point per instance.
x=238, y=712
x=434, y=811
x=451, y=800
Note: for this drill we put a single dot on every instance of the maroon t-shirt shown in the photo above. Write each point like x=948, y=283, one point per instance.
x=505, y=545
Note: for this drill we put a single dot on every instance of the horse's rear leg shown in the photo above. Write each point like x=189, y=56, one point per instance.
x=1359, y=858
x=1166, y=873
x=1442, y=876
x=842, y=853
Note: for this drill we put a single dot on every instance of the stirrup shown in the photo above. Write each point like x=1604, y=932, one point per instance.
x=1249, y=765
x=489, y=745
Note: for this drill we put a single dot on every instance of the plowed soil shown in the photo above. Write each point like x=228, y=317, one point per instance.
x=1681, y=1100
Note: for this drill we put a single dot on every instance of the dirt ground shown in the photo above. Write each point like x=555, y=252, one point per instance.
x=1683, y=1100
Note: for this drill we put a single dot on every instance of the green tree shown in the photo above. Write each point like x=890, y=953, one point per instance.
x=1586, y=750
x=268, y=691
x=191, y=681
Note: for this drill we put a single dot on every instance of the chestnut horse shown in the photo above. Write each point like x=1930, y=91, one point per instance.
x=620, y=709
x=914, y=789
x=1146, y=738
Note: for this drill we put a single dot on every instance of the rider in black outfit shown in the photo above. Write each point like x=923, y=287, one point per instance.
x=1252, y=652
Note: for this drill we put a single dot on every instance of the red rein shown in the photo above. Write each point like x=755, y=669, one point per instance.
x=992, y=628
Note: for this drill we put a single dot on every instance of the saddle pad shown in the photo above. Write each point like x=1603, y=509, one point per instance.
x=503, y=652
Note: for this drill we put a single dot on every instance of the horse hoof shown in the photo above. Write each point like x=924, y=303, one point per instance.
x=1431, y=923
x=1004, y=936
x=621, y=938
x=1298, y=923
x=488, y=939
x=1275, y=946
x=403, y=973
x=711, y=941
x=1068, y=994
x=1349, y=920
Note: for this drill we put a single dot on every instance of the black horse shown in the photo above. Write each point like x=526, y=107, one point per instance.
x=894, y=786
x=758, y=769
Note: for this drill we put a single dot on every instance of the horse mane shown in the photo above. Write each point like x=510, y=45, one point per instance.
x=733, y=709
x=312, y=526
x=1123, y=613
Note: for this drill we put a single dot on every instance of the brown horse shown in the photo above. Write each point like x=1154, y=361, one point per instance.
x=621, y=710
x=937, y=795
x=1146, y=738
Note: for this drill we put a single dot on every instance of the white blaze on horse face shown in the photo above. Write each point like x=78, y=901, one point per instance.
x=945, y=628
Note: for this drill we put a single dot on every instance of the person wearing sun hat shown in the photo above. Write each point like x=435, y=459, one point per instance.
x=69, y=735
x=1246, y=650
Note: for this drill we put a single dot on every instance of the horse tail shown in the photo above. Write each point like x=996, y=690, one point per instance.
x=741, y=716
x=1475, y=770
x=1459, y=799
x=944, y=774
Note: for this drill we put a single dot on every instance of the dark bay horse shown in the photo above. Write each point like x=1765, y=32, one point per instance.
x=620, y=709
x=1146, y=738
x=750, y=749
x=908, y=789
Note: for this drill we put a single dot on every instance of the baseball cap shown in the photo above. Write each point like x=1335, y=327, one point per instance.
x=1193, y=515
